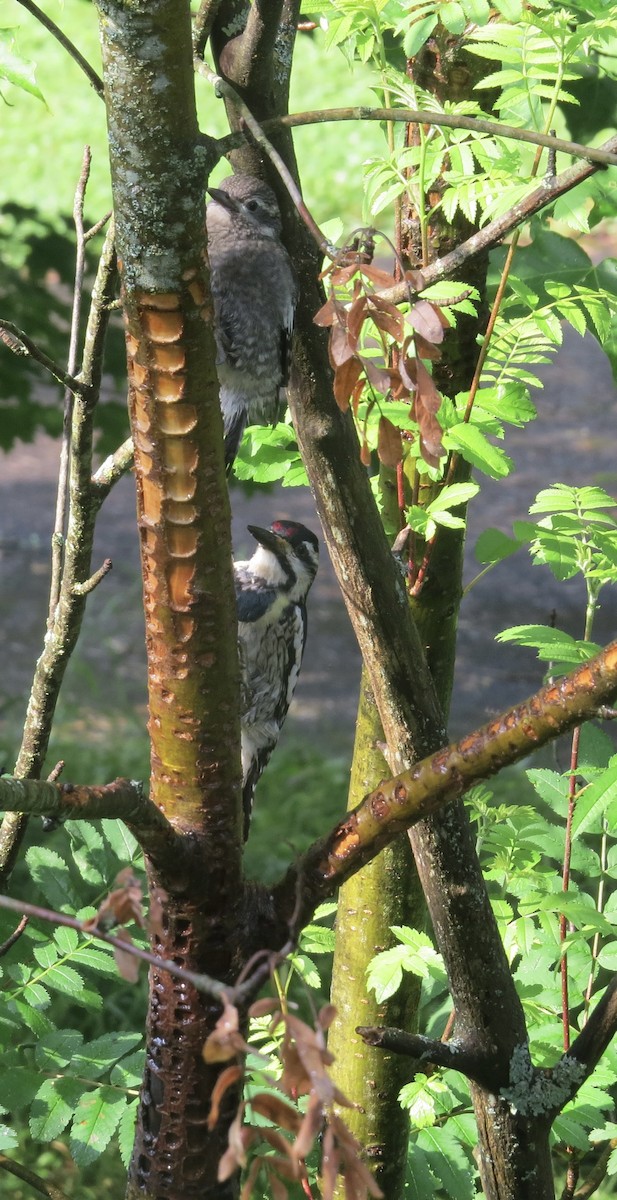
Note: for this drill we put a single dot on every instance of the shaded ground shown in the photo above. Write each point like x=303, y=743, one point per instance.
x=573, y=441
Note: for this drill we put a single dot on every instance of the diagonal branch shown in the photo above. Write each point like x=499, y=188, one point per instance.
x=20, y=343
x=430, y=784
x=452, y=1056
x=593, y=1040
x=94, y=80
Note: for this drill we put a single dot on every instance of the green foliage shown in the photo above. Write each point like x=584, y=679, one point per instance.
x=54, y=987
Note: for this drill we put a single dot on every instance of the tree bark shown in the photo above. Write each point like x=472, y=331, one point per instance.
x=158, y=179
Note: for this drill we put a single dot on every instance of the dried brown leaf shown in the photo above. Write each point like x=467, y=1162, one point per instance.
x=356, y=317
x=225, y=1041
x=416, y=280
x=327, y=313
x=127, y=963
x=407, y=370
x=339, y=348
x=240, y=1138
x=424, y=319
x=122, y=906
x=312, y=1124
x=427, y=405
x=345, y=378
x=365, y=453
x=226, y=1079
x=376, y=275
x=389, y=443
x=254, y=1169
x=277, y=1110
x=426, y=349
x=386, y=316
x=326, y=1015
x=265, y=1006
x=440, y=314
x=278, y=1189
x=330, y=1162
x=378, y=376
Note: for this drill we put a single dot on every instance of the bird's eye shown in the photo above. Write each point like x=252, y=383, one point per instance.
x=252, y=205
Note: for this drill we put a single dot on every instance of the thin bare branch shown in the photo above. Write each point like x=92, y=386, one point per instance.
x=240, y=995
x=94, y=80
x=413, y=116
x=42, y=1186
x=20, y=343
x=57, y=539
x=14, y=936
x=202, y=27
x=224, y=89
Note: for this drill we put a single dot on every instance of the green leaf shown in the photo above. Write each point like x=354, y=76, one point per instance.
x=477, y=450
x=65, y=979
x=551, y=787
x=448, y=1162
x=55, y=1050
x=122, y=842
x=51, y=873
x=417, y=35
x=450, y=497
x=94, y=1058
x=18, y=1086
x=317, y=939
x=420, y=1181
x=478, y=11
x=493, y=546
x=452, y=16
x=128, y=1072
x=16, y=70
x=126, y=1131
x=96, y=1119
x=53, y=1107
x=8, y=1138
x=385, y=972
x=593, y=801
x=511, y=10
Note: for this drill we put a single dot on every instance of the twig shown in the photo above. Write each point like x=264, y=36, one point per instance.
x=20, y=343
x=83, y=589
x=14, y=936
x=42, y=1186
x=57, y=540
x=222, y=88
x=204, y=21
x=111, y=470
x=93, y=79
x=597, y=1175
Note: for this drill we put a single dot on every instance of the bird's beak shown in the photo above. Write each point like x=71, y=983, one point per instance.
x=268, y=539
x=223, y=198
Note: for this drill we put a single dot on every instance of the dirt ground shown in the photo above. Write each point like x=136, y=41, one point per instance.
x=573, y=441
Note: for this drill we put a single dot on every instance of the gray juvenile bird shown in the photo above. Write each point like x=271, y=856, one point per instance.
x=254, y=293
x=271, y=591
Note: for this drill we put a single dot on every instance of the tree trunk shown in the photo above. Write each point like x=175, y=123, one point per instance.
x=158, y=179
x=386, y=892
